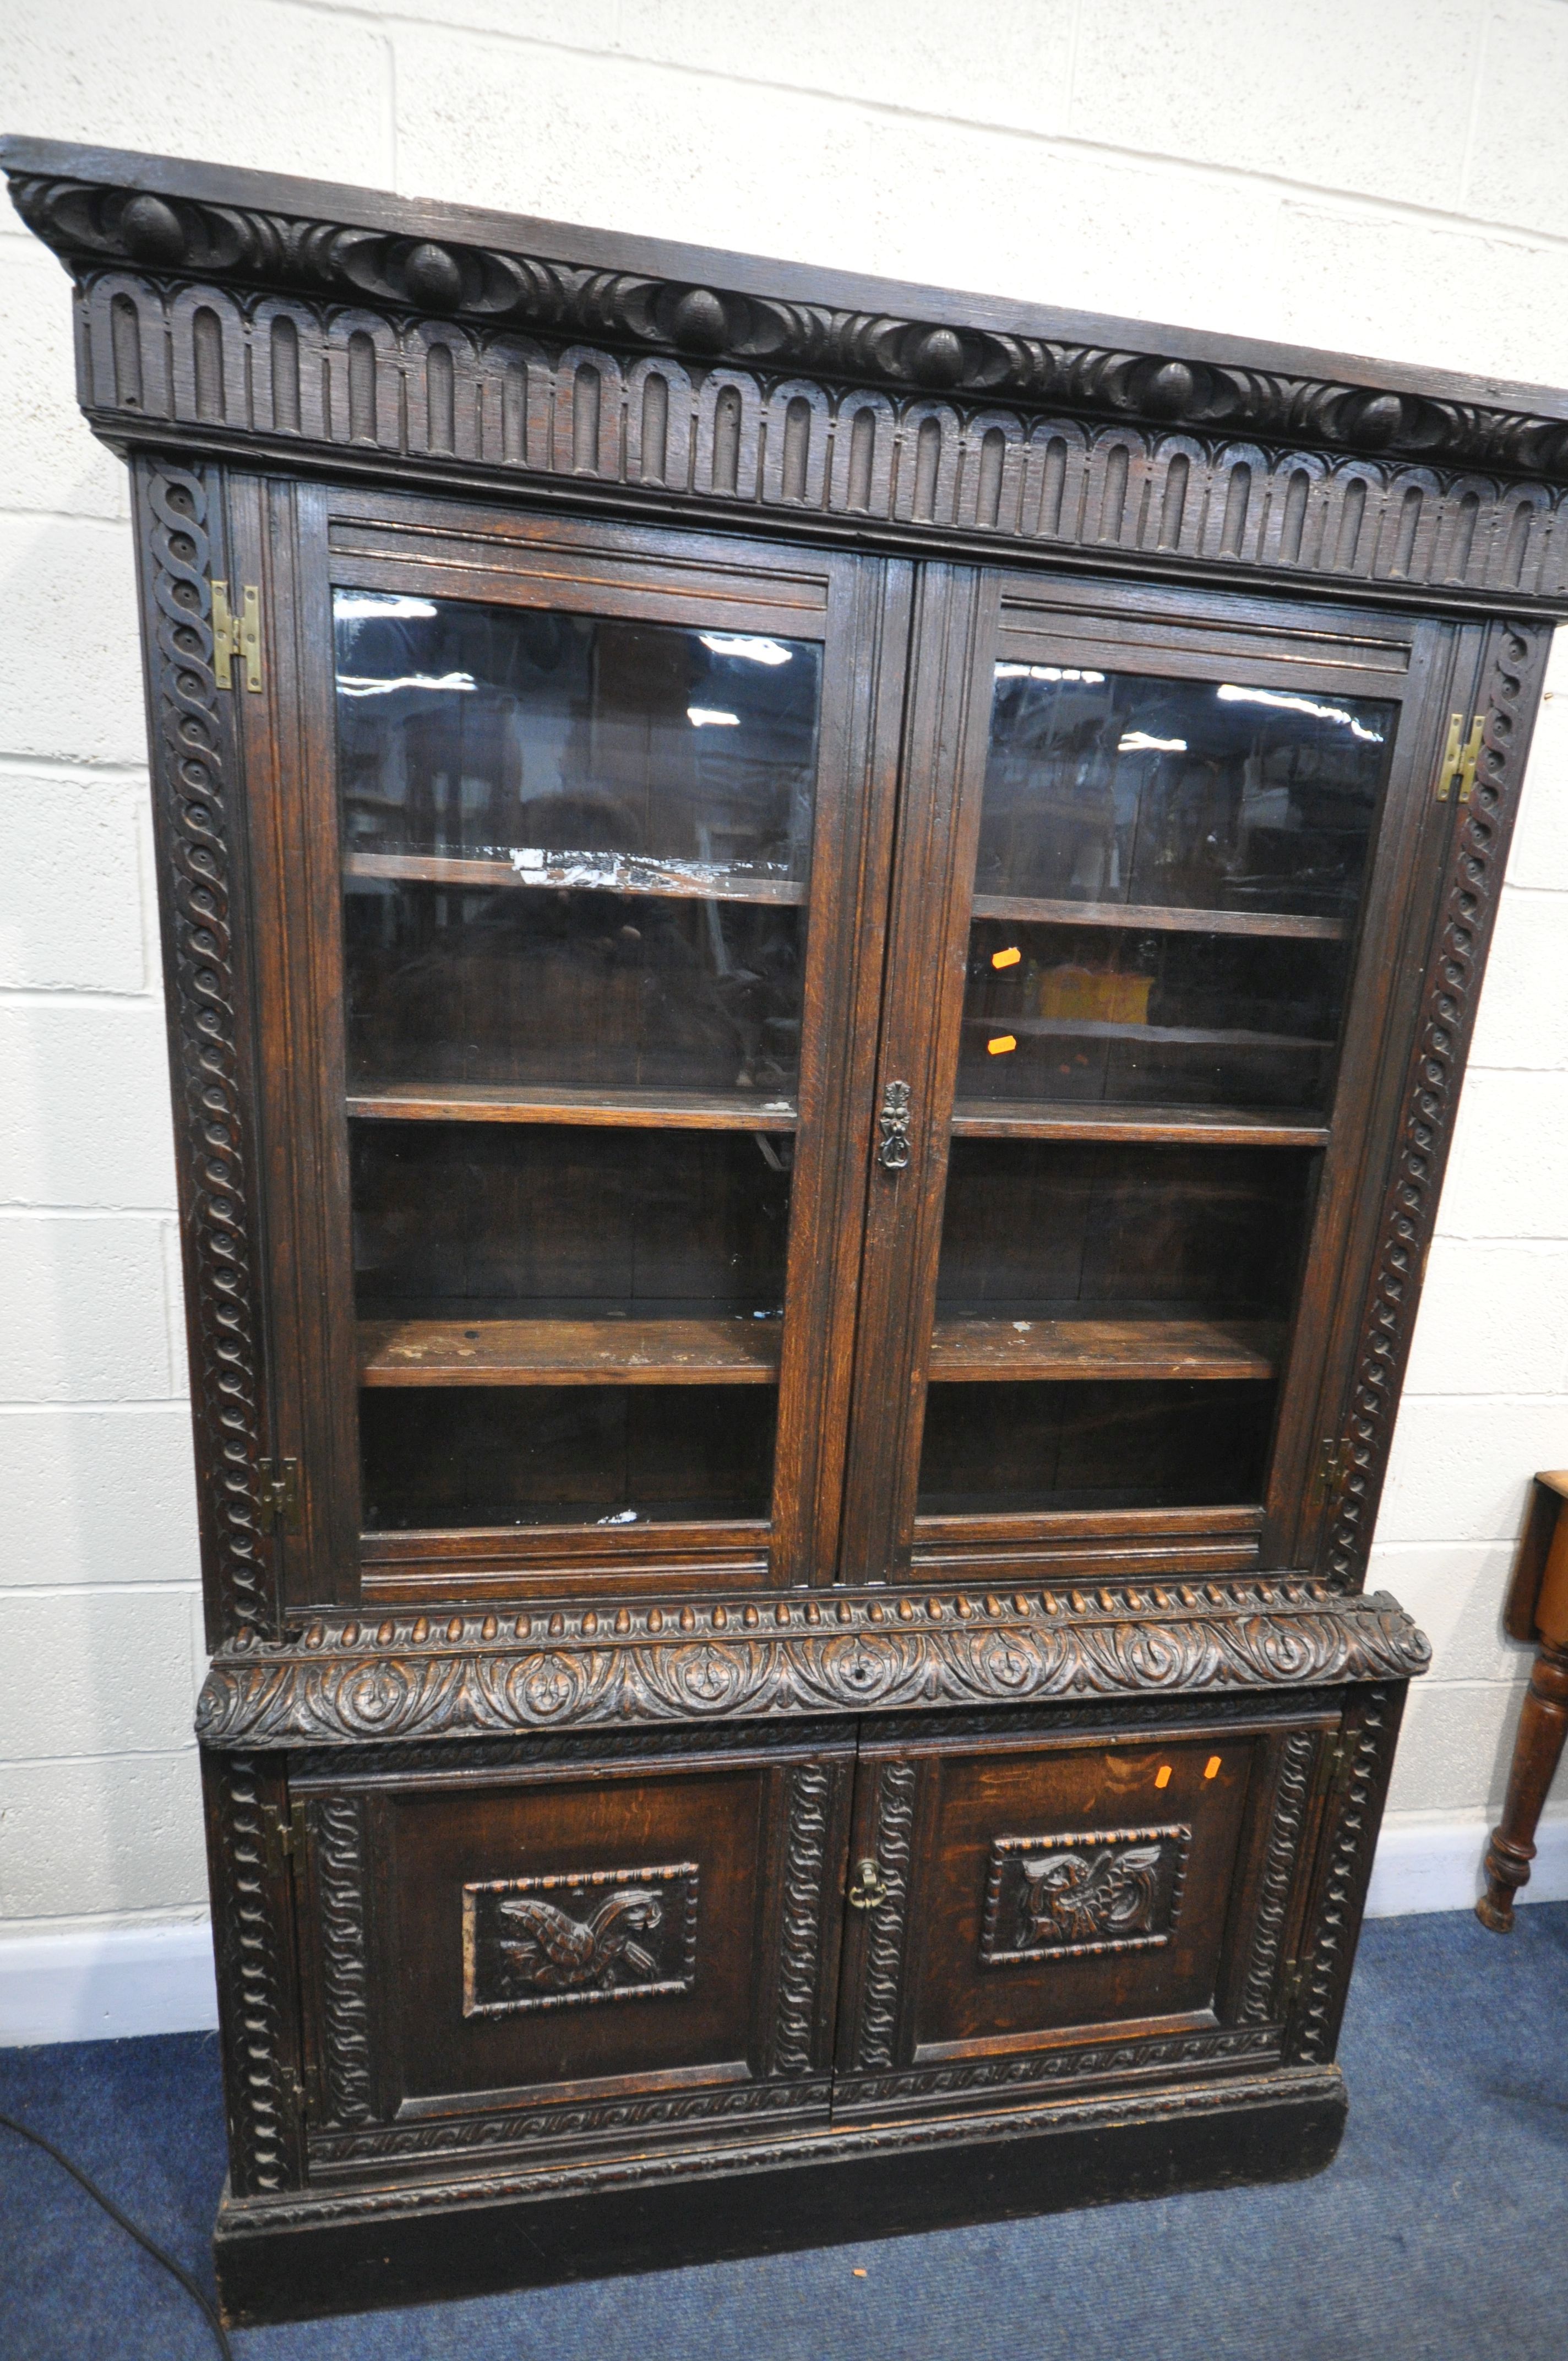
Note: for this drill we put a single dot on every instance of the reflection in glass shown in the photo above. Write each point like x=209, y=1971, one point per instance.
x=575, y=850
x=1117, y=787
x=572, y=750
x=1166, y=889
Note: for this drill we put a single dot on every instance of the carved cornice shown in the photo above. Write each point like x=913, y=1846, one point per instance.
x=347, y=1679
x=1154, y=377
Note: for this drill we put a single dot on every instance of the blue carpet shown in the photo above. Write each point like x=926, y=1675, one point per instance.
x=1440, y=2235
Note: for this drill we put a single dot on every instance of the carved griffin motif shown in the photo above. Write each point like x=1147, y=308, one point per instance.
x=553, y=1951
x=1066, y=1899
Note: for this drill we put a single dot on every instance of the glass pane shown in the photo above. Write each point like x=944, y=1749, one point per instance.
x=1119, y=787
x=1173, y=1018
x=1013, y=1448
x=577, y=861
x=1167, y=887
x=575, y=850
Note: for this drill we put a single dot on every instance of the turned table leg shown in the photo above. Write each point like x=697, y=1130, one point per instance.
x=1543, y=1726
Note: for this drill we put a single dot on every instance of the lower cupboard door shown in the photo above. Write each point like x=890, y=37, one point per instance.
x=519, y=1957
x=1031, y=1914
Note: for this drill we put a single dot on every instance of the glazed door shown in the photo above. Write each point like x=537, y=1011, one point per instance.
x=1155, y=858
x=587, y=886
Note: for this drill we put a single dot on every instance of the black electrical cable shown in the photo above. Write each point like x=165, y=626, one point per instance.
x=112, y=2210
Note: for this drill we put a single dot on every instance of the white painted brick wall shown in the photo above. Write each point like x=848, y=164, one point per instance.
x=1391, y=180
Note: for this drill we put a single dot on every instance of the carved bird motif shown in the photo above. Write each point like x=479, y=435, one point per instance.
x=1068, y=1899
x=555, y=1952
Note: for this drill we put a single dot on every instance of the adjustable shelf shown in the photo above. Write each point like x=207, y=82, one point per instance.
x=1156, y=918
x=1106, y=1028
x=740, y=1351
x=975, y=1351
x=670, y=880
x=515, y=1103
x=1136, y=1125
x=735, y=1351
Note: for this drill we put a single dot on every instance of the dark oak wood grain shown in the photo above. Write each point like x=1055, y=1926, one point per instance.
x=1155, y=917
x=793, y=1347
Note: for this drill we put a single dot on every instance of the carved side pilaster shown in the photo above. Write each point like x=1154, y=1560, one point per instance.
x=884, y=1944
x=1291, y=1801
x=193, y=796
x=253, y=1943
x=337, y=1824
x=1516, y=657
x=800, y=1950
x=1350, y=1837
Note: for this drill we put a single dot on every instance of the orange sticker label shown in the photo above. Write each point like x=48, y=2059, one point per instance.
x=1162, y=1776
x=1002, y=1043
x=1009, y=957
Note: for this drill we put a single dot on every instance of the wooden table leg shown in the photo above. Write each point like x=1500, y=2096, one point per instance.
x=1537, y=1749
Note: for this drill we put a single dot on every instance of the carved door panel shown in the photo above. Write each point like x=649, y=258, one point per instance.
x=508, y=1957
x=1030, y=1912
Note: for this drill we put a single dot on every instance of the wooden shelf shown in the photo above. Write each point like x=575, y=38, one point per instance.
x=732, y=1352
x=978, y=1351
x=1105, y=1029
x=512, y=1102
x=671, y=880
x=738, y=1352
x=1157, y=918
x=1212, y=1126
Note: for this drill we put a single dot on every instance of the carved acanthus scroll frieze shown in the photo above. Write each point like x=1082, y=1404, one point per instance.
x=1062, y=1898
x=561, y=1941
x=347, y=1678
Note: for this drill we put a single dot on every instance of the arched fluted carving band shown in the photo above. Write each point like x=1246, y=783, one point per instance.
x=347, y=1680
x=97, y=223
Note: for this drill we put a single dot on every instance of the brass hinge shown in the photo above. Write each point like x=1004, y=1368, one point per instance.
x=278, y=1496
x=236, y=635
x=283, y=1839
x=1460, y=757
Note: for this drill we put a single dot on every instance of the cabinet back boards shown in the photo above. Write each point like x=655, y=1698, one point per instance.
x=820, y=938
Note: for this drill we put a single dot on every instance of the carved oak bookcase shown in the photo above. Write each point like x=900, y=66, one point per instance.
x=820, y=938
